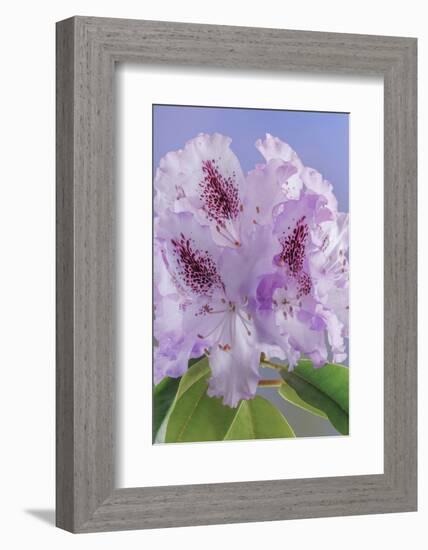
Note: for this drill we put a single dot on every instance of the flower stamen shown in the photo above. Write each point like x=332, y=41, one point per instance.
x=226, y=234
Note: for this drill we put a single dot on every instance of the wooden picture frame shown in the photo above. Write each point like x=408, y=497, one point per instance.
x=87, y=50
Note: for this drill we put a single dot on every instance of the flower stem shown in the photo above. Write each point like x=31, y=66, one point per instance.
x=270, y=383
x=266, y=363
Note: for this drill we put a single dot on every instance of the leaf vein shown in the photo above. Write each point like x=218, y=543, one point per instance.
x=186, y=423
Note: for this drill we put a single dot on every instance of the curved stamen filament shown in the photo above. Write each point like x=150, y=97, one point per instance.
x=244, y=322
x=337, y=266
x=270, y=383
x=202, y=337
x=227, y=235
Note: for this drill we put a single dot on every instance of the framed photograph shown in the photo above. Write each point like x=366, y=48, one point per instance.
x=236, y=274
x=248, y=268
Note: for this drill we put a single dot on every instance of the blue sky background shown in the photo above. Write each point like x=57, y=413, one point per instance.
x=320, y=139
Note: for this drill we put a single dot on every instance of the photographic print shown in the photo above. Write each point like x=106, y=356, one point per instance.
x=251, y=274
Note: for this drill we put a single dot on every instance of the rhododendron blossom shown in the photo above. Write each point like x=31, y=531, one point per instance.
x=246, y=264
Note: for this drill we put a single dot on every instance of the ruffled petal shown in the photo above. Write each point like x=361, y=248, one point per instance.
x=190, y=255
x=234, y=363
x=171, y=357
x=242, y=268
x=204, y=178
x=268, y=186
x=329, y=266
x=275, y=342
x=311, y=207
x=273, y=148
x=162, y=282
x=337, y=300
x=304, y=339
x=335, y=334
x=315, y=183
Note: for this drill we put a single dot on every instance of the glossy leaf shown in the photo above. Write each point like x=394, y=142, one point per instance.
x=325, y=389
x=163, y=397
x=197, y=417
x=290, y=395
x=258, y=419
x=199, y=370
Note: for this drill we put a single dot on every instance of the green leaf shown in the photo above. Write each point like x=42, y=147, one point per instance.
x=290, y=394
x=195, y=372
x=197, y=417
x=163, y=396
x=167, y=392
x=258, y=419
x=325, y=389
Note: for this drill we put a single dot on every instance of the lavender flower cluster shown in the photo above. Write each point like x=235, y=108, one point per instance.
x=246, y=264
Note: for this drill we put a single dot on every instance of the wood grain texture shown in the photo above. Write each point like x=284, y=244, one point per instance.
x=87, y=49
x=64, y=276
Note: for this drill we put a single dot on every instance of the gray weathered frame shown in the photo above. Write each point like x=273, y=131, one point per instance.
x=87, y=50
